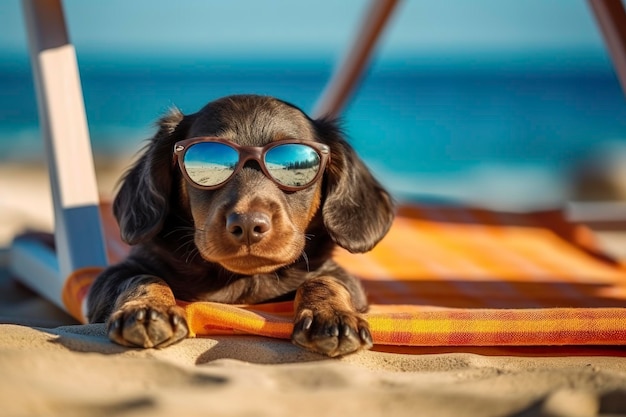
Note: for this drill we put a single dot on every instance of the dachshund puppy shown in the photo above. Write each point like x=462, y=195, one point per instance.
x=242, y=202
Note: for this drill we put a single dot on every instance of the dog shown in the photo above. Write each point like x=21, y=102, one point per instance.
x=243, y=202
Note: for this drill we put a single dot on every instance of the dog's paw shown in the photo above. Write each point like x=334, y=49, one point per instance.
x=138, y=324
x=332, y=333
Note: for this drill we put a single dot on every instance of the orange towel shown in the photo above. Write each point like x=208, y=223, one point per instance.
x=449, y=276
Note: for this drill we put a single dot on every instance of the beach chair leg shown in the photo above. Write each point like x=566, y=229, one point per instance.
x=347, y=74
x=611, y=19
x=78, y=231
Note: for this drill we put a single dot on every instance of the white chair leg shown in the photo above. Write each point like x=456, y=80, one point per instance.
x=78, y=230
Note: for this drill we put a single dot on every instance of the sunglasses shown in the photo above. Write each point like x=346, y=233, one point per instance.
x=208, y=162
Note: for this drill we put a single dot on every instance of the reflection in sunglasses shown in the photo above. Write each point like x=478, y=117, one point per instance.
x=294, y=165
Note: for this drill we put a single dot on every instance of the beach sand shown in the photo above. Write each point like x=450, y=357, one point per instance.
x=50, y=365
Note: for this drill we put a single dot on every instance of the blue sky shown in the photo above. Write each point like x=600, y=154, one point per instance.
x=275, y=27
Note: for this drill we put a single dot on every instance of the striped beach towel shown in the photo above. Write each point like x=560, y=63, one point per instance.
x=450, y=276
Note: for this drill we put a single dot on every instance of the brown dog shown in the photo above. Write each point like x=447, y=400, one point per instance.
x=243, y=202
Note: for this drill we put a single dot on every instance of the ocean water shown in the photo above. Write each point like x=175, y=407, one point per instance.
x=507, y=138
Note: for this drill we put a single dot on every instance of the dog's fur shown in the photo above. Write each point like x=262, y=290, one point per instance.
x=182, y=248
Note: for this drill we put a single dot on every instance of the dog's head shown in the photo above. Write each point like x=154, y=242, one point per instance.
x=249, y=224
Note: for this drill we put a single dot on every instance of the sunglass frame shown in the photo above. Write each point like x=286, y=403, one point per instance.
x=247, y=153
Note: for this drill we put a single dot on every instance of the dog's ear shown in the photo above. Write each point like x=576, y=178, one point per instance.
x=357, y=211
x=142, y=202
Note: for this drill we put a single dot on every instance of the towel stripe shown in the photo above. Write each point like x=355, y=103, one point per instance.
x=452, y=277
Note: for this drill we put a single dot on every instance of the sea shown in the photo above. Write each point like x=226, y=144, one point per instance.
x=501, y=131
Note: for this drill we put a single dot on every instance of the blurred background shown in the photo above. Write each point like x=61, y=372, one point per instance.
x=510, y=105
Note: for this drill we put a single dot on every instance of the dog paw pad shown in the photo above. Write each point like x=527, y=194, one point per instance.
x=331, y=333
x=147, y=327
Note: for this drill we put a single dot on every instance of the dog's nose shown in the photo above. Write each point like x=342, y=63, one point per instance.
x=248, y=228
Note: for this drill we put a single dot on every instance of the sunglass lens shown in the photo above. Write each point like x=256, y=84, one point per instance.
x=293, y=165
x=210, y=163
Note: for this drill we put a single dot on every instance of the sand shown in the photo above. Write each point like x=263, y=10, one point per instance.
x=50, y=365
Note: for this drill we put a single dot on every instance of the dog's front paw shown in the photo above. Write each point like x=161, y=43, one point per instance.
x=138, y=324
x=332, y=333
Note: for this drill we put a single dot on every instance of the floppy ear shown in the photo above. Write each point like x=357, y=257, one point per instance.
x=142, y=203
x=357, y=211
